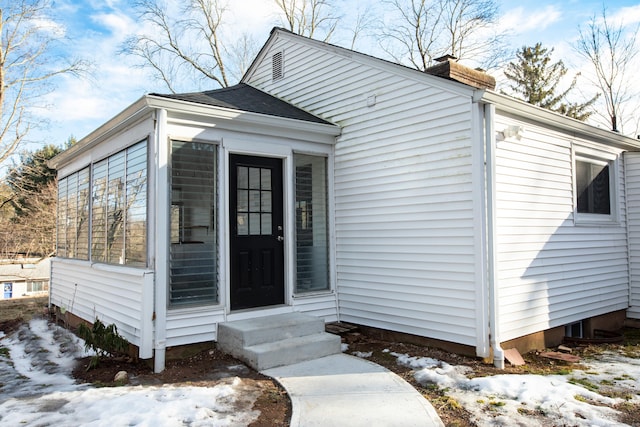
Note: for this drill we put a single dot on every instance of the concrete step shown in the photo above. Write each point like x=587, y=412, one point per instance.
x=260, y=330
x=278, y=340
x=291, y=350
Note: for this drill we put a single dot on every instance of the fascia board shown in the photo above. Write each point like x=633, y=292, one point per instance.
x=198, y=113
x=543, y=116
x=228, y=118
x=260, y=56
x=125, y=118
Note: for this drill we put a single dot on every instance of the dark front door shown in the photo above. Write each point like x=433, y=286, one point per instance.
x=257, y=249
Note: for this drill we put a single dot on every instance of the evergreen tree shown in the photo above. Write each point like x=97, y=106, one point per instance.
x=28, y=201
x=31, y=176
x=535, y=79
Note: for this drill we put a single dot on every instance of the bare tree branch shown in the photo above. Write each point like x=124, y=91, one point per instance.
x=418, y=31
x=186, y=45
x=309, y=18
x=611, y=51
x=28, y=68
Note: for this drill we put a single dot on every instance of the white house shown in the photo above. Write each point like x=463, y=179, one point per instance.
x=24, y=277
x=350, y=188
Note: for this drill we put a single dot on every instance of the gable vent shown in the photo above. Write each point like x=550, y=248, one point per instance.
x=276, y=65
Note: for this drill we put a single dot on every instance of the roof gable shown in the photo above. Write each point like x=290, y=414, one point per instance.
x=437, y=78
x=365, y=59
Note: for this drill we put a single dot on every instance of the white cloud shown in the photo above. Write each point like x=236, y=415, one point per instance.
x=626, y=16
x=519, y=20
x=49, y=26
x=117, y=24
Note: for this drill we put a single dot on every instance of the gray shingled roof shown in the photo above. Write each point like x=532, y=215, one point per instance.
x=28, y=269
x=246, y=98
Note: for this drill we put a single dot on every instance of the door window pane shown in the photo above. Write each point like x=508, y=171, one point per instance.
x=254, y=204
x=265, y=220
x=243, y=224
x=265, y=179
x=254, y=178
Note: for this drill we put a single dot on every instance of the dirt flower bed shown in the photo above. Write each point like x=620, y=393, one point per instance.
x=450, y=410
x=204, y=369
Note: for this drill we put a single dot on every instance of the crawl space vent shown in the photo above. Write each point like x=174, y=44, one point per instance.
x=276, y=62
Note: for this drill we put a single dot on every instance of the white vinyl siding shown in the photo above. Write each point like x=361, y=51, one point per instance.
x=632, y=175
x=404, y=211
x=551, y=271
x=193, y=325
x=113, y=294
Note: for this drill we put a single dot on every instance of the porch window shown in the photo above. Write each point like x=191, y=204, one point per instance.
x=594, y=177
x=119, y=207
x=136, y=209
x=312, y=231
x=193, y=254
x=114, y=197
x=61, y=226
x=73, y=216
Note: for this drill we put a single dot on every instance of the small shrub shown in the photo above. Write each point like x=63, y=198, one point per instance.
x=103, y=340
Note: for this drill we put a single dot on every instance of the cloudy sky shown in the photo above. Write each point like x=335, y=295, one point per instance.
x=96, y=29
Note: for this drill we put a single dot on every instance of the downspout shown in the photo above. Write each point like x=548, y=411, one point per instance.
x=494, y=315
x=161, y=240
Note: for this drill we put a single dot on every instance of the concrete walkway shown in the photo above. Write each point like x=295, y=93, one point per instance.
x=343, y=390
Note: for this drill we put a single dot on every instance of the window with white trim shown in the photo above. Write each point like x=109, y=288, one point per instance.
x=312, y=223
x=114, y=197
x=73, y=216
x=594, y=185
x=37, y=286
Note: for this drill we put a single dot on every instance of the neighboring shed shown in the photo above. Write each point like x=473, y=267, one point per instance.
x=354, y=189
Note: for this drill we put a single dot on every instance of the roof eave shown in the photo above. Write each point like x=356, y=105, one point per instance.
x=515, y=106
x=243, y=118
x=149, y=103
x=127, y=116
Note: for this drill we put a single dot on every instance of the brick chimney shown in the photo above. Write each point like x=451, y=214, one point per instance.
x=448, y=68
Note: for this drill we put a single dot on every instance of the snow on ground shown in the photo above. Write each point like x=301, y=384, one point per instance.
x=534, y=400
x=36, y=389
